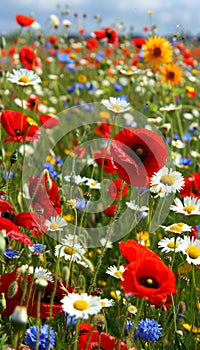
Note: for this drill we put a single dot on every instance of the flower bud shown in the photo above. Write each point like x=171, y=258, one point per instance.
x=66, y=273
x=19, y=318
x=14, y=157
x=12, y=289
x=2, y=302
x=41, y=283
x=2, y=241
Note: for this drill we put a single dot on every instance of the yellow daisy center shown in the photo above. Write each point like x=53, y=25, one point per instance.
x=93, y=183
x=81, y=305
x=24, y=79
x=189, y=208
x=177, y=227
x=167, y=179
x=69, y=250
x=103, y=303
x=132, y=309
x=193, y=252
x=118, y=273
x=172, y=245
x=116, y=108
x=31, y=121
x=54, y=226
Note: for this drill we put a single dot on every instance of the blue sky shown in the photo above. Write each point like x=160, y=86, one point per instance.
x=170, y=16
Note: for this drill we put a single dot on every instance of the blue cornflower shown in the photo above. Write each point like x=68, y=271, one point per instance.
x=10, y=253
x=117, y=87
x=31, y=338
x=148, y=330
x=37, y=248
x=82, y=204
x=71, y=321
x=128, y=327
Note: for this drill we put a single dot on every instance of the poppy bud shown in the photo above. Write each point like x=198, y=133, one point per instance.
x=2, y=302
x=12, y=289
x=2, y=241
x=2, y=42
x=14, y=157
x=19, y=318
x=41, y=283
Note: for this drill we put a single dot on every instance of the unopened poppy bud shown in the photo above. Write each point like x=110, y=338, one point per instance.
x=2, y=241
x=41, y=283
x=82, y=283
x=19, y=318
x=2, y=302
x=48, y=179
x=14, y=157
x=2, y=42
x=12, y=289
x=66, y=273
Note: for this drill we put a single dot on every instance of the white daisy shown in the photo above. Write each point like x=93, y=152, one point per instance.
x=55, y=21
x=132, y=205
x=43, y=274
x=81, y=305
x=93, y=184
x=106, y=302
x=169, y=244
x=191, y=248
x=116, y=272
x=56, y=223
x=69, y=250
x=178, y=144
x=77, y=179
x=24, y=77
x=190, y=206
x=116, y=105
x=170, y=108
x=177, y=228
x=166, y=181
x=105, y=243
x=132, y=309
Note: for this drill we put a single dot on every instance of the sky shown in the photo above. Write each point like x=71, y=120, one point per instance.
x=180, y=17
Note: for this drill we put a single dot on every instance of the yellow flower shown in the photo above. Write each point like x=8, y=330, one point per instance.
x=150, y=12
x=188, y=327
x=82, y=79
x=31, y=121
x=143, y=238
x=68, y=217
x=157, y=50
x=172, y=74
x=115, y=294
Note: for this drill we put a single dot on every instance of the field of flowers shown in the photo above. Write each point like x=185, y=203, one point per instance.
x=99, y=190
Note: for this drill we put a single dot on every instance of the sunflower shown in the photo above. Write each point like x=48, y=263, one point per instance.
x=172, y=73
x=157, y=51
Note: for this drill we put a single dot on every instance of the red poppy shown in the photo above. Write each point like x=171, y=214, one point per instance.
x=53, y=39
x=20, y=127
x=103, y=158
x=138, y=42
x=91, y=44
x=24, y=21
x=15, y=299
x=109, y=34
x=45, y=195
x=103, y=129
x=116, y=189
x=31, y=221
x=133, y=251
x=195, y=232
x=33, y=103
x=111, y=210
x=5, y=206
x=29, y=58
x=151, y=279
x=137, y=154
x=93, y=339
x=192, y=186
x=49, y=121
x=13, y=231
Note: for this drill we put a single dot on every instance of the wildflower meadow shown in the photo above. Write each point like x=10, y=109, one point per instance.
x=100, y=187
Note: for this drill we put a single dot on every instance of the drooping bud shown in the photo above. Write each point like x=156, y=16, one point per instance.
x=2, y=241
x=41, y=283
x=19, y=318
x=2, y=302
x=12, y=289
x=14, y=157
